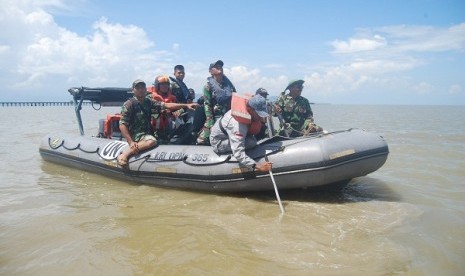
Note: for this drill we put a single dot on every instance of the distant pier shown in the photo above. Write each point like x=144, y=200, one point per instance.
x=70, y=103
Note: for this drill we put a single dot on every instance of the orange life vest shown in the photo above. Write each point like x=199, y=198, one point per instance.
x=111, y=125
x=241, y=114
x=165, y=117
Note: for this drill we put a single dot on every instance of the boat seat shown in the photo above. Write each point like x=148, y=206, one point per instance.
x=116, y=135
x=111, y=127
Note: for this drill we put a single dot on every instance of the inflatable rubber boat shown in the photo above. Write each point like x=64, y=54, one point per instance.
x=323, y=159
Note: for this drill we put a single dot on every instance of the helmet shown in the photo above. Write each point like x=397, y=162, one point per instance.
x=159, y=80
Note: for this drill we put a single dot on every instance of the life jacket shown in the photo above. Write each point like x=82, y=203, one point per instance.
x=111, y=125
x=222, y=95
x=241, y=114
x=151, y=90
x=184, y=95
x=162, y=121
x=239, y=108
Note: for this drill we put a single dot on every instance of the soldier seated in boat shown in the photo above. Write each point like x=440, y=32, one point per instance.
x=162, y=122
x=178, y=87
x=135, y=123
x=264, y=130
x=294, y=112
x=191, y=95
x=235, y=134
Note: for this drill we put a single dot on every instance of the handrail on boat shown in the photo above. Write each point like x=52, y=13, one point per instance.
x=105, y=96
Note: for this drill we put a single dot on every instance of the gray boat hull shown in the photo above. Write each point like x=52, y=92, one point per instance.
x=315, y=161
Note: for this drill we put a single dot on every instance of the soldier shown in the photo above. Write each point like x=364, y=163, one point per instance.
x=264, y=132
x=262, y=92
x=296, y=116
x=135, y=120
x=217, y=99
x=230, y=135
x=191, y=95
x=162, y=122
x=178, y=87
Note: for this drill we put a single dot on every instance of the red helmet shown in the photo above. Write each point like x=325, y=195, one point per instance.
x=159, y=80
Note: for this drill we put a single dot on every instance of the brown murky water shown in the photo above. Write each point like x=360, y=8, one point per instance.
x=406, y=218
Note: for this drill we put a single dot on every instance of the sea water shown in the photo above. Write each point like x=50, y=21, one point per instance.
x=406, y=218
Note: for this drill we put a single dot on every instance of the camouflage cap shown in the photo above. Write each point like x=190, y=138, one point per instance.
x=136, y=82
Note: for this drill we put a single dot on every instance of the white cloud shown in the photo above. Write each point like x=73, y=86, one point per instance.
x=426, y=38
x=455, y=89
x=40, y=54
x=423, y=88
x=249, y=80
x=404, y=38
x=359, y=74
x=359, y=44
x=99, y=58
x=384, y=57
x=4, y=49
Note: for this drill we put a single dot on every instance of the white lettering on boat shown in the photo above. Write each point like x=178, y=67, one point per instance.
x=200, y=157
x=163, y=155
x=111, y=150
x=176, y=155
x=159, y=155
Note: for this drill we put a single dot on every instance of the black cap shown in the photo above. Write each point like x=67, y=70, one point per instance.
x=261, y=91
x=216, y=63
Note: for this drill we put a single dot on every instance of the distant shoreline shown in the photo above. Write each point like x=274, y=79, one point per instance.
x=48, y=103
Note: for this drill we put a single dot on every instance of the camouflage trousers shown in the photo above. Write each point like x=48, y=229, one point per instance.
x=204, y=136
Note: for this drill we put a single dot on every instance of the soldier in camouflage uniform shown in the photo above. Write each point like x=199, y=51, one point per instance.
x=217, y=99
x=178, y=87
x=135, y=120
x=294, y=112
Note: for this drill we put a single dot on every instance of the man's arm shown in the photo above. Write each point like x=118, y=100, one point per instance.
x=176, y=106
x=125, y=133
x=126, y=111
x=237, y=133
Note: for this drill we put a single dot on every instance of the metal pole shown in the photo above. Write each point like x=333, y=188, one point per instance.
x=275, y=188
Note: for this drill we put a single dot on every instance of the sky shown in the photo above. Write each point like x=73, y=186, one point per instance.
x=405, y=52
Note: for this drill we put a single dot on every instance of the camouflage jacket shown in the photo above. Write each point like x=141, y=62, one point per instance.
x=295, y=111
x=137, y=116
x=213, y=109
